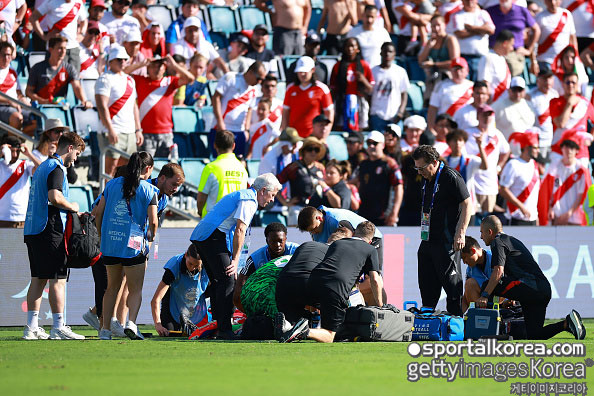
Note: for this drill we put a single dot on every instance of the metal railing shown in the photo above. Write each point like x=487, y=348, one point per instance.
x=23, y=105
x=14, y=131
x=104, y=177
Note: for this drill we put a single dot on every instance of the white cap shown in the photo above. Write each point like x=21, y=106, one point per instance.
x=518, y=82
x=376, y=136
x=192, y=21
x=133, y=36
x=118, y=52
x=416, y=122
x=396, y=129
x=305, y=64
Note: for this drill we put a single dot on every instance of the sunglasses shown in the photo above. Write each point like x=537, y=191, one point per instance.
x=312, y=148
x=421, y=167
x=570, y=82
x=371, y=143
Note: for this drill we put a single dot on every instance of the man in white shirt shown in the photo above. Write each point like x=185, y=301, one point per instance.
x=539, y=98
x=493, y=67
x=12, y=13
x=269, y=89
x=466, y=117
x=91, y=51
x=371, y=37
x=132, y=42
x=557, y=32
x=118, y=22
x=583, y=17
x=115, y=95
x=513, y=113
x=10, y=112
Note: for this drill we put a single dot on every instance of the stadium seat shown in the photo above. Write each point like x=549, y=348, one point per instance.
x=185, y=119
x=281, y=88
x=34, y=58
x=288, y=60
x=193, y=169
x=219, y=40
x=173, y=3
x=55, y=111
x=415, y=97
x=158, y=164
x=316, y=15
x=329, y=61
x=83, y=196
x=252, y=167
x=164, y=14
x=276, y=68
x=88, y=86
x=208, y=118
x=199, y=143
x=70, y=98
x=317, y=3
x=272, y=217
x=413, y=69
x=85, y=121
x=251, y=16
x=212, y=87
x=337, y=146
x=223, y=19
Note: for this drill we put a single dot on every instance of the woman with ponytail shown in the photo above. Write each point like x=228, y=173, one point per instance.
x=127, y=221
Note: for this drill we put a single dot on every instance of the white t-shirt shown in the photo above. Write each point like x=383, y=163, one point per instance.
x=56, y=10
x=403, y=30
x=13, y=205
x=513, y=117
x=245, y=212
x=185, y=49
x=386, y=95
x=236, y=98
x=276, y=112
x=261, y=134
x=493, y=69
x=114, y=86
x=8, y=15
x=561, y=173
x=494, y=143
x=517, y=175
x=472, y=164
x=119, y=27
x=371, y=42
x=540, y=103
x=583, y=17
x=473, y=45
x=548, y=22
x=466, y=117
x=86, y=54
x=449, y=10
x=441, y=147
x=447, y=93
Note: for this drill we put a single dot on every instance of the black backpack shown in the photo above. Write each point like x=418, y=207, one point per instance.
x=82, y=240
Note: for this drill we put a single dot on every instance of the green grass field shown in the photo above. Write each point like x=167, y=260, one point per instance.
x=171, y=366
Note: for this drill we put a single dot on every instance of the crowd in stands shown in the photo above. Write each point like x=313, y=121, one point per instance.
x=507, y=98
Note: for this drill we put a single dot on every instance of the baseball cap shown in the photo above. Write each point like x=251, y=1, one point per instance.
x=93, y=25
x=117, y=52
x=263, y=27
x=355, y=136
x=458, y=62
x=190, y=2
x=192, y=21
x=394, y=129
x=305, y=64
x=312, y=37
x=240, y=38
x=415, y=122
x=518, y=82
x=140, y=2
x=376, y=136
x=321, y=118
x=133, y=36
x=290, y=135
x=98, y=3
x=546, y=73
x=484, y=108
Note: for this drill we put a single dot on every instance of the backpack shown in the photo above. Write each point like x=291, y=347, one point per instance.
x=82, y=240
x=387, y=323
x=431, y=325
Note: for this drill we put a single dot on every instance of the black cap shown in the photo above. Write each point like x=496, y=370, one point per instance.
x=355, y=136
x=191, y=2
x=141, y=2
x=262, y=27
x=546, y=73
x=313, y=37
x=321, y=118
x=241, y=38
x=12, y=141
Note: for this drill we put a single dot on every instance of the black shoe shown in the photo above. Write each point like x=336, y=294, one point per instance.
x=297, y=332
x=226, y=335
x=575, y=325
x=187, y=327
x=280, y=325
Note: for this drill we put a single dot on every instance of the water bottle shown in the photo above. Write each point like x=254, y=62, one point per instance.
x=316, y=321
x=173, y=153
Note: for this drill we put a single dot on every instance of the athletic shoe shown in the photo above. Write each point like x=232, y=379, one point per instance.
x=92, y=319
x=575, y=325
x=64, y=333
x=187, y=327
x=104, y=334
x=34, y=334
x=132, y=331
x=281, y=325
x=117, y=330
x=298, y=332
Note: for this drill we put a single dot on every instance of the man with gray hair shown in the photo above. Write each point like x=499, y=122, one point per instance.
x=219, y=238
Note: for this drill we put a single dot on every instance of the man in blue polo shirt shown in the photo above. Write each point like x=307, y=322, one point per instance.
x=276, y=246
x=170, y=178
x=478, y=272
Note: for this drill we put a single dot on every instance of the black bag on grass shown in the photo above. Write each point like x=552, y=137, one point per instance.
x=82, y=240
x=386, y=323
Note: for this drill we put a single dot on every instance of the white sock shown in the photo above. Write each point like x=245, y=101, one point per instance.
x=58, y=320
x=114, y=319
x=33, y=319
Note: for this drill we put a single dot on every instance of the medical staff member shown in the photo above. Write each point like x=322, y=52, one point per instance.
x=219, y=238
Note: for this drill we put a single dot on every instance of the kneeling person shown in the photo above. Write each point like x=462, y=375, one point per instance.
x=478, y=272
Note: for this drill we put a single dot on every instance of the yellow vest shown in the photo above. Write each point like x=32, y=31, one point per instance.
x=230, y=174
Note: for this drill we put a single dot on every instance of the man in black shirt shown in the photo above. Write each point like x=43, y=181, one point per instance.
x=331, y=281
x=258, y=51
x=517, y=276
x=445, y=213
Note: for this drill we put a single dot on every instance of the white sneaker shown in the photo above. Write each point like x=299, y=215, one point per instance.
x=132, y=331
x=116, y=329
x=65, y=333
x=92, y=319
x=34, y=334
x=104, y=334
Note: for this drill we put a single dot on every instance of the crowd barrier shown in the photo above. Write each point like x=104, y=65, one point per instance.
x=564, y=254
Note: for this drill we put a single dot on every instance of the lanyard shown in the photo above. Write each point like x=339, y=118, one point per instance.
x=434, y=189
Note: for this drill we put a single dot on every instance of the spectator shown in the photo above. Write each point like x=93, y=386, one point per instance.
x=392, y=137
x=47, y=144
x=280, y=156
x=389, y=95
x=49, y=79
x=449, y=9
x=587, y=56
x=473, y=26
x=444, y=125
x=410, y=21
x=493, y=68
x=44, y=236
x=438, y=53
x=514, y=113
x=153, y=41
x=312, y=49
x=193, y=41
x=13, y=14
x=583, y=18
x=305, y=99
x=115, y=95
x=350, y=82
x=355, y=150
x=140, y=12
x=557, y=32
x=466, y=117
x=96, y=12
x=234, y=55
x=414, y=126
x=520, y=183
x=175, y=31
x=509, y=16
x=376, y=177
x=258, y=50
x=269, y=88
x=303, y=176
x=370, y=37
x=568, y=61
x=60, y=18
x=534, y=8
x=263, y=134
x=321, y=128
x=91, y=52
x=221, y=176
x=450, y=95
x=564, y=189
x=290, y=20
x=340, y=16
x=194, y=93
x=14, y=179
x=333, y=191
x=233, y=101
x=124, y=242
x=497, y=150
x=539, y=98
x=132, y=42
x=118, y=22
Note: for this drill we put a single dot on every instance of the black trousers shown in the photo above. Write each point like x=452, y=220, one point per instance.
x=167, y=320
x=291, y=298
x=534, y=306
x=436, y=269
x=216, y=257
x=100, y=278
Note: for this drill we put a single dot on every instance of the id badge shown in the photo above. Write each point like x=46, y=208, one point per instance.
x=156, y=246
x=425, y=222
x=136, y=239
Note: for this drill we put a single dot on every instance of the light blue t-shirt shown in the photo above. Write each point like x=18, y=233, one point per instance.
x=479, y=275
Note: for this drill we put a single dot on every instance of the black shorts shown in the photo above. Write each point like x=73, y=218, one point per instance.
x=47, y=255
x=125, y=262
x=290, y=298
x=332, y=305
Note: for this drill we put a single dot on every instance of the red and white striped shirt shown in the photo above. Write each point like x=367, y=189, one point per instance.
x=88, y=61
x=121, y=91
x=236, y=99
x=62, y=16
x=494, y=144
x=155, y=101
x=566, y=192
x=261, y=134
x=449, y=97
x=276, y=112
x=8, y=9
x=578, y=122
x=493, y=69
x=521, y=177
x=9, y=82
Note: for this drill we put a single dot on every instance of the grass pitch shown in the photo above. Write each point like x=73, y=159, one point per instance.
x=171, y=366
